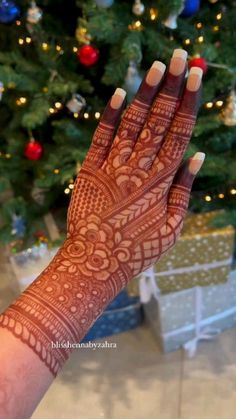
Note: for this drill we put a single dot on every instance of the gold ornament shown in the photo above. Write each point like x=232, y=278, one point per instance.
x=228, y=115
x=82, y=35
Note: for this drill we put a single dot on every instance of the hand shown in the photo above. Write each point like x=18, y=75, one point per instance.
x=130, y=197
x=126, y=210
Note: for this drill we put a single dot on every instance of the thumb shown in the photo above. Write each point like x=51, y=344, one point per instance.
x=181, y=188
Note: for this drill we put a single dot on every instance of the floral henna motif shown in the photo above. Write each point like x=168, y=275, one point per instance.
x=125, y=212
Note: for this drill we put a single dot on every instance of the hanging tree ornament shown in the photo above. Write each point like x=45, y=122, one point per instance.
x=88, y=55
x=8, y=11
x=82, y=35
x=132, y=79
x=18, y=226
x=34, y=13
x=198, y=62
x=171, y=21
x=190, y=8
x=76, y=103
x=33, y=150
x=138, y=8
x=104, y=3
x=1, y=89
x=228, y=114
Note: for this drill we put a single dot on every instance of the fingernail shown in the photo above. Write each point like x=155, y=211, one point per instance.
x=155, y=73
x=196, y=163
x=178, y=61
x=118, y=98
x=194, y=79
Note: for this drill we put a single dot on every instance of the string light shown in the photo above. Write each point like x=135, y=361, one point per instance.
x=21, y=41
x=8, y=156
x=200, y=39
x=219, y=103
x=67, y=191
x=75, y=49
x=76, y=115
x=28, y=40
x=21, y=101
x=153, y=13
x=187, y=41
x=209, y=105
x=18, y=22
x=86, y=115
x=58, y=48
x=199, y=25
x=71, y=186
x=233, y=191
x=45, y=46
x=221, y=196
x=207, y=198
x=219, y=16
x=58, y=105
x=51, y=110
x=56, y=171
x=136, y=26
x=216, y=28
x=97, y=115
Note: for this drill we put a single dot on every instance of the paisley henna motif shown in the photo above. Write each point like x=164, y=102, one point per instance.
x=125, y=212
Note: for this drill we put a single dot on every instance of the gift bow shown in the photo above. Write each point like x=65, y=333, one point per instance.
x=148, y=288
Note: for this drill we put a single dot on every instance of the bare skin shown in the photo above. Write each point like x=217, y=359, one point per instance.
x=126, y=211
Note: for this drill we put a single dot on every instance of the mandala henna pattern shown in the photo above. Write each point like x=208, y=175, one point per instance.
x=125, y=212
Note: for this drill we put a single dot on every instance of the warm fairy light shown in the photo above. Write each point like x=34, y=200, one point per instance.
x=187, y=41
x=21, y=41
x=51, y=110
x=219, y=16
x=58, y=105
x=209, y=105
x=56, y=171
x=216, y=28
x=75, y=49
x=97, y=115
x=76, y=115
x=221, y=196
x=45, y=46
x=28, y=40
x=136, y=26
x=8, y=156
x=199, y=25
x=67, y=191
x=207, y=198
x=233, y=191
x=58, y=48
x=200, y=39
x=219, y=103
x=18, y=22
x=86, y=115
x=153, y=14
x=71, y=186
x=45, y=89
x=21, y=101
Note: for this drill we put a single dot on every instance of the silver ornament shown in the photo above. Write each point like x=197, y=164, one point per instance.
x=104, y=3
x=34, y=13
x=171, y=21
x=132, y=79
x=229, y=113
x=138, y=8
x=76, y=103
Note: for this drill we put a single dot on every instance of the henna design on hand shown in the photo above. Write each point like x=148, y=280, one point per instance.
x=127, y=209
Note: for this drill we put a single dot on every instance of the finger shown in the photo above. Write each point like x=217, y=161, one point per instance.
x=136, y=114
x=162, y=112
x=104, y=133
x=178, y=199
x=179, y=134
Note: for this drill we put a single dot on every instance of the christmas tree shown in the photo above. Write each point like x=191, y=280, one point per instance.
x=59, y=64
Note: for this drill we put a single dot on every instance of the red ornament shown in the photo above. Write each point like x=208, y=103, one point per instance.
x=198, y=62
x=88, y=55
x=33, y=150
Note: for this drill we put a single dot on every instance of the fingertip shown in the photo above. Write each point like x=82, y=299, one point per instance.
x=196, y=162
x=118, y=98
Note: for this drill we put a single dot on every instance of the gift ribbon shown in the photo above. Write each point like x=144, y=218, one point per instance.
x=148, y=288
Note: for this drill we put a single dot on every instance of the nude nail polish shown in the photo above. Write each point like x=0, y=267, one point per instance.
x=196, y=163
x=194, y=79
x=178, y=61
x=155, y=73
x=118, y=98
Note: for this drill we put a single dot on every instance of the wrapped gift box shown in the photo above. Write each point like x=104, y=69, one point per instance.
x=201, y=256
x=116, y=320
x=183, y=318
